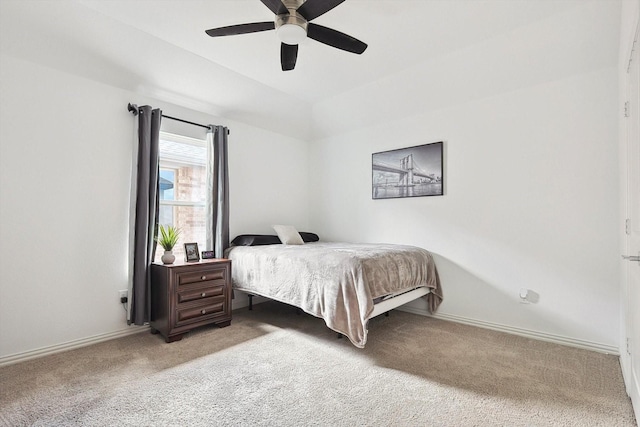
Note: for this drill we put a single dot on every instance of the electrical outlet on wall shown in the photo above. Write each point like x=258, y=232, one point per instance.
x=527, y=296
x=124, y=296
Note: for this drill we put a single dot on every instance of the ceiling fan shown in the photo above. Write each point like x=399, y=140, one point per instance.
x=293, y=26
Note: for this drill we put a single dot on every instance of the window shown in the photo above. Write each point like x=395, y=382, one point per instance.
x=183, y=189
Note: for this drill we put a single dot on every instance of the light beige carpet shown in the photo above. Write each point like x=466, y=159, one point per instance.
x=274, y=367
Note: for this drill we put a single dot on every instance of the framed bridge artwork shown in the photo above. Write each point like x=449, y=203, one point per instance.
x=408, y=172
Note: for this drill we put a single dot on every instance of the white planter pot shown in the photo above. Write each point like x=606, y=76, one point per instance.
x=168, y=257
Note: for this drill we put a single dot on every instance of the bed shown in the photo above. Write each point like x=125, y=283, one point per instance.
x=346, y=284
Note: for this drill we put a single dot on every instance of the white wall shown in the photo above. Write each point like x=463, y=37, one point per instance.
x=531, y=181
x=65, y=156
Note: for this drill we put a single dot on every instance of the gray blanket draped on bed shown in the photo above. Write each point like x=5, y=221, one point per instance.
x=334, y=281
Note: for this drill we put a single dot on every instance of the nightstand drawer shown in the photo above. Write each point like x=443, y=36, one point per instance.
x=194, y=314
x=216, y=276
x=199, y=293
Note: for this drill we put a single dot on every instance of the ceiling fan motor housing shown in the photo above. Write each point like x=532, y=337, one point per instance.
x=292, y=4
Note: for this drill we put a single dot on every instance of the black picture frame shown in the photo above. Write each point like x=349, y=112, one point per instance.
x=207, y=255
x=191, y=252
x=416, y=171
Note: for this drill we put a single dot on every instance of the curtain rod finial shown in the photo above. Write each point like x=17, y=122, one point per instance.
x=133, y=108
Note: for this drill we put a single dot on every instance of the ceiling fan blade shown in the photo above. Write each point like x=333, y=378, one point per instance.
x=288, y=56
x=276, y=6
x=311, y=9
x=233, y=30
x=335, y=38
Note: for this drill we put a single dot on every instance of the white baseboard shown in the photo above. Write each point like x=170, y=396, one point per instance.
x=83, y=342
x=542, y=336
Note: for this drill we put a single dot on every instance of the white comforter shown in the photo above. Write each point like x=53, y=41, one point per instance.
x=334, y=281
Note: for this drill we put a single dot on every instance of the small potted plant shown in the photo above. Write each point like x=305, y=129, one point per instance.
x=168, y=238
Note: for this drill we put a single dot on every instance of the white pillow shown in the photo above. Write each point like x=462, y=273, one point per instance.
x=288, y=235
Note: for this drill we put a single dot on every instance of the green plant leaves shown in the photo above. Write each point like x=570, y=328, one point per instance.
x=168, y=237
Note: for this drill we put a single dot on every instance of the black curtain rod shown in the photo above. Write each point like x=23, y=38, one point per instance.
x=133, y=108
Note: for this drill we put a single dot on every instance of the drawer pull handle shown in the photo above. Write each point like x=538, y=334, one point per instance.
x=203, y=295
x=204, y=277
x=204, y=312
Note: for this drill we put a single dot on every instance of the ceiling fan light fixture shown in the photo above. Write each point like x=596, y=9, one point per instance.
x=291, y=28
x=291, y=34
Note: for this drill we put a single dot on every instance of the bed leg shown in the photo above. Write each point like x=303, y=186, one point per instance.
x=250, y=302
x=386, y=314
x=339, y=336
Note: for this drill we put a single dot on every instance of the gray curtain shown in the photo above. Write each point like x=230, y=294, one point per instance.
x=146, y=213
x=218, y=179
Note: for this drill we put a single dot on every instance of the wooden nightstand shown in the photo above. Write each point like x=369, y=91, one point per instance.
x=185, y=295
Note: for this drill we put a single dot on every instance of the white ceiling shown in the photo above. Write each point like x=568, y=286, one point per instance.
x=399, y=33
x=159, y=48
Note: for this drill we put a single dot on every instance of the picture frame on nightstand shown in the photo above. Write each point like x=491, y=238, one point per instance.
x=191, y=252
